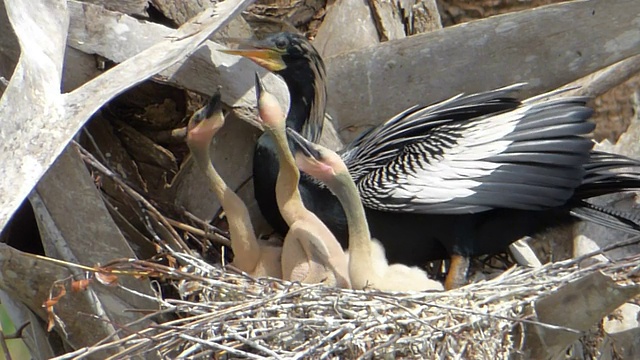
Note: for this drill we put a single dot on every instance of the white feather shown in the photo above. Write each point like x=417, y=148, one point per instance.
x=452, y=175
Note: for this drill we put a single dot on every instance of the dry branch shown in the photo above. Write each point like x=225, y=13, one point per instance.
x=352, y=17
x=94, y=30
x=130, y=7
x=598, y=83
x=38, y=120
x=538, y=46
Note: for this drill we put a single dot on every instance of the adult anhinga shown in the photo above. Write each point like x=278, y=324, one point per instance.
x=253, y=257
x=310, y=254
x=368, y=265
x=303, y=70
x=463, y=177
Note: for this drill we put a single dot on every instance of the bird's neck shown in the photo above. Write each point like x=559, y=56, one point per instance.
x=287, y=193
x=243, y=240
x=359, y=237
x=308, y=95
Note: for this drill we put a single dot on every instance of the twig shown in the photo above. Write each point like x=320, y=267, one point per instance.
x=228, y=349
x=173, y=136
x=387, y=343
x=226, y=312
x=5, y=348
x=632, y=241
x=91, y=160
x=214, y=236
x=93, y=142
x=254, y=344
x=205, y=224
x=508, y=318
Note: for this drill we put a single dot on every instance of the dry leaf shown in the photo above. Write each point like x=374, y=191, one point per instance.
x=51, y=302
x=172, y=261
x=107, y=278
x=80, y=285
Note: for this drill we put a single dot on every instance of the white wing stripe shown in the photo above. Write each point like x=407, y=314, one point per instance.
x=451, y=175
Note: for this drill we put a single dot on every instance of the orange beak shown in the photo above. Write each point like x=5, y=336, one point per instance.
x=267, y=58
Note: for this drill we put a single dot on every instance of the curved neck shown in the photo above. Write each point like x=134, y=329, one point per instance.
x=243, y=240
x=361, y=270
x=287, y=193
x=308, y=94
x=346, y=191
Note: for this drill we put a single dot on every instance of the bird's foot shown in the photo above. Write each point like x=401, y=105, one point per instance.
x=457, y=276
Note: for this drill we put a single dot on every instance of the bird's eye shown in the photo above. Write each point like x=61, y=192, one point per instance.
x=197, y=117
x=281, y=44
x=316, y=154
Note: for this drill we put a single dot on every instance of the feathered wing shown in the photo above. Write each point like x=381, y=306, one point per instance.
x=473, y=153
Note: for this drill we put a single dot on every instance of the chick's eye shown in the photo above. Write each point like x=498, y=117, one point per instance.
x=317, y=154
x=281, y=43
x=196, y=119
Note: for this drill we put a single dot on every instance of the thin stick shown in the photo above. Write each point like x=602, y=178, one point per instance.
x=91, y=160
x=214, y=236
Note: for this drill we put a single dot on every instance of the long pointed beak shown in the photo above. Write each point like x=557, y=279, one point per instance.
x=214, y=104
x=259, y=87
x=262, y=55
x=244, y=43
x=249, y=53
x=305, y=146
x=204, y=123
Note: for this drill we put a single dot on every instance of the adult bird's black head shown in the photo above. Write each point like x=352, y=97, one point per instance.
x=293, y=58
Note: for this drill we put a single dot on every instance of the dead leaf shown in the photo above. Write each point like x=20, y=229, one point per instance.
x=107, y=278
x=80, y=285
x=51, y=302
x=172, y=262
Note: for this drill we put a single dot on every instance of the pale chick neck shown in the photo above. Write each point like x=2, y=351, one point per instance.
x=359, y=237
x=243, y=240
x=287, y=193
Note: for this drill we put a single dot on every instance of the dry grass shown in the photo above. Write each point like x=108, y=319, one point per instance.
x=222, y=314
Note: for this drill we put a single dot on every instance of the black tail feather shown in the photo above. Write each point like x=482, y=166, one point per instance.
x=600, y=162
x=608, y=184
x=607, y=173
x=606, y=217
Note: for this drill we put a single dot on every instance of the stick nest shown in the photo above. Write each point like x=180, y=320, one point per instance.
x=221, y=314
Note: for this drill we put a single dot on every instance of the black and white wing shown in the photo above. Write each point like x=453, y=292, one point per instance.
x=473, y=153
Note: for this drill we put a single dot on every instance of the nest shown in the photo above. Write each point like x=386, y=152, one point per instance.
x=222, y=314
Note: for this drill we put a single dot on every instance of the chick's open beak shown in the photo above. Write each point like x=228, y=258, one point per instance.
x=208, y=118
x=214, y=105
x=304, y=145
